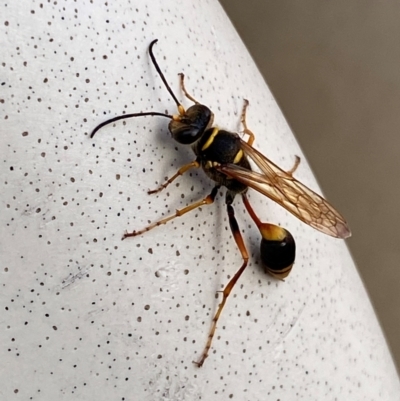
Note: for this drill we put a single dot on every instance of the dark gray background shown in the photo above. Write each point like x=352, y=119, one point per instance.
x=334, y=68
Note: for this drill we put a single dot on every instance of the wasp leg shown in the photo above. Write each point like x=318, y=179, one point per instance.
x=243, y=121
x=252, y=136
x=182, y=170
x=182, y=77
x=208, y=200
x=296, y=164
x=227, y=290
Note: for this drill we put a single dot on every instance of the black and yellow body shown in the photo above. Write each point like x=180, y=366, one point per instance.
x=277, y=251
x=217, y=147
x=224, y=157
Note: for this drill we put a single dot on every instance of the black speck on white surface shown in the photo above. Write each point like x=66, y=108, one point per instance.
x=86, y=316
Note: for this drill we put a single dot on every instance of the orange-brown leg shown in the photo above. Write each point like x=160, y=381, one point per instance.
x=227, y=290
x=182, y=170
x=251, y=139
x=243, y=121
x=182, y=78
x=296, y=164
x=208, y=200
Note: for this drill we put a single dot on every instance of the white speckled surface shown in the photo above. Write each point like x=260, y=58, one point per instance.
x=88, y=317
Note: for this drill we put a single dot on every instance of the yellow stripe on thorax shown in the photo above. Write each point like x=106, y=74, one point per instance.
x=238, y=157
x=211, y=138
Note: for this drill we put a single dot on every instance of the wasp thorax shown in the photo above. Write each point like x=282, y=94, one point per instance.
x=189, y=127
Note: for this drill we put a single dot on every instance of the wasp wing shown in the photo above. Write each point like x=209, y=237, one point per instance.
x=284, y=189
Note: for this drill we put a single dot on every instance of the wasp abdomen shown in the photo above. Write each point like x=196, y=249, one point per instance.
x=277, y=249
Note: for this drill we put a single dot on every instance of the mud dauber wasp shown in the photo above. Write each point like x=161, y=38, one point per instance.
x=224, y=157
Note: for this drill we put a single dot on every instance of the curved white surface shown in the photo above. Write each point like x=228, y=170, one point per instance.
x=88, y=317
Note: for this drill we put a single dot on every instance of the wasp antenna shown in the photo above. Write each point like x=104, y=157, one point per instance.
x=153, y=59
x=125, y=116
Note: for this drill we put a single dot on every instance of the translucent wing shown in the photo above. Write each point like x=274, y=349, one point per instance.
x=285, y=190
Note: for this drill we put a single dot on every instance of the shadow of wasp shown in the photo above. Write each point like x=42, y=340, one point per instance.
x=224, y=157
